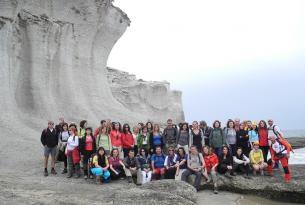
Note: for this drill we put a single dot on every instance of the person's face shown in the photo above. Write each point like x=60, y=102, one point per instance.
x=131, y=154
x=117, y=127
x=65, y=127
x=205, y=150
x=50, y=125
x=237, y=122
x=261, y=124
x=115, y=153
x=171, y=151
x=272, y=138
x=270, y=122
x=149, y=126
x=193, y=150
x=241, y=126
x=136, y=130
x=239, y=152
x=142, y=152
x=169, y=123
x=85, y=125
x=104, y=124
x=126, y=128
x=88, y=132
x=217, y=124
x=225, y=151
x=256, y=147
x=180, y=151
x=101, y=152
x=184, y=127
x=231, y=124
x=249, y=124
x=156, y=128
x=158, y=150
x=71, y=132
x=145, y=130
x=61, y=120
x=104, y=130
x=195, y=125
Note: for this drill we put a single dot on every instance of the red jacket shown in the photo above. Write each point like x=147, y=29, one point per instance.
x=263, y=137
x=210, y=161
x=281, y=142
x=127, y=140
x=116, y=138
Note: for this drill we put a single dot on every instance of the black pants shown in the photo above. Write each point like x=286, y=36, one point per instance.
x=87, y=155
x=115, y=176
x=170, y=173
x=265, y=150
x=241, y=168
x=222, y=169
x=189, y=172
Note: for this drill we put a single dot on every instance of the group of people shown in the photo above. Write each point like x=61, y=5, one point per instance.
x=144, y=153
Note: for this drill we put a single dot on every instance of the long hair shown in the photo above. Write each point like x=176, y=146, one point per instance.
x=265, y=124
x=91, y=134
x=82, y=124
x=216, y=122
x=101, y=158
x=116, y=123
x=156, y=126
x=228, y=123
x=209, y=150
x=183, y=150
x=128, y=131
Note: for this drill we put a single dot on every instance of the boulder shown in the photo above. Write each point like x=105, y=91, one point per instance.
x=266, y=186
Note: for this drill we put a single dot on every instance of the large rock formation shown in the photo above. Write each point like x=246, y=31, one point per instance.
x=53, y=57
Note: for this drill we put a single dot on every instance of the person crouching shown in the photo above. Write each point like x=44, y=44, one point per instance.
x=100, y=166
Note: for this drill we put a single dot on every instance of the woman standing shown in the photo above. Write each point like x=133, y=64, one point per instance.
x=196, y=136
x=243, y=140
x=149, y=126
x=103, y=140
x=156, y=139
x=136, y=135
x=116, y=165
x=82, y=128
x=143, y=139
x=127, y=140
x=116, y=138
x=144, y=171
x=217, y=139
x=253, y=134
x=211, y=163
x=72, y=152
x=63, y=137
x=230, y=136
x=263, y=138
x=100, y=166
x=183, y=137
x=87, y=146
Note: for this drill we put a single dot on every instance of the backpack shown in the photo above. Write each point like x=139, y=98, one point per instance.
x=200, y=159
x=281, y=137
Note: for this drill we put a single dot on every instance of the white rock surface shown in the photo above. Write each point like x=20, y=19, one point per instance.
x=53, y=57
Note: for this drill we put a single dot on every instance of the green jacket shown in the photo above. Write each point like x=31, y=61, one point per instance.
x=217, y=138
x=140, y=140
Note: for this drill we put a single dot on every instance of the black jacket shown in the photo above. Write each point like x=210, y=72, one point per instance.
x=82, y=144
x=49, y=138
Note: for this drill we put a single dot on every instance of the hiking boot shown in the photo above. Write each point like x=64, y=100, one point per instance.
x=46, y=173
x=228, y=175
x=215, y=190
x=64, y=171
x=53, y=171
x=129, y=179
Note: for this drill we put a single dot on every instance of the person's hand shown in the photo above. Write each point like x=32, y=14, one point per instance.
x=273, y=162
x=288, y=155
x=245, y=163
x=229, y=167
x=166, y=167
x=196, y=170
x=116, y=173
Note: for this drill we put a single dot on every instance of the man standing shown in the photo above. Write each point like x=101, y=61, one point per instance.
x=206, y=132
x=274, y=132
x=170, y=135
x=49, y=140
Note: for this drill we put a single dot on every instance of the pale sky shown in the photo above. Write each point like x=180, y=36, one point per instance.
x=230, y=59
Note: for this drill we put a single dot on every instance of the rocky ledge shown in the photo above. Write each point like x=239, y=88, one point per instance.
x=265, y=186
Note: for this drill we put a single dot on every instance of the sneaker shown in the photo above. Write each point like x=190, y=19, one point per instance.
x=215, y=190
x=91, y=177
x=69, y=175
x=65, y=171
x=86, y=177
x=53, y=171
x=46, y=173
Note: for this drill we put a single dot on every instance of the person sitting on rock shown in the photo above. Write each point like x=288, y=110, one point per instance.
x=116, y=165
x=211, y=163
x=87, y=147
x=144, y=171
x=181, y=163
x=170, y=164
x=195, y=166
x=72, y=152
x=226, y=163
x=241, y=163
x=49, y=140
x=257, y=159
x=100, y=166
x=280, y=151
x=157, y=164
x=130, y=166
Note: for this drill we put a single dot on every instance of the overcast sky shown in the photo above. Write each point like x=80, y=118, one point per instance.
x=229, y=58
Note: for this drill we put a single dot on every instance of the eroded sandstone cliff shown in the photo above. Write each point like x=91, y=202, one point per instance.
x=53, y=57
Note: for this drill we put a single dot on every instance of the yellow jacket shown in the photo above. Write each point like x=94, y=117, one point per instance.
x=256, y=157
